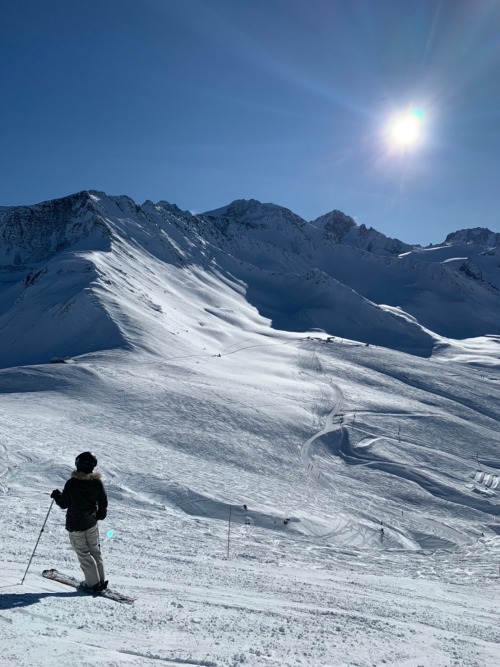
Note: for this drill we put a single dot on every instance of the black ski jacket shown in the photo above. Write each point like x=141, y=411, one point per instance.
x=85, y=499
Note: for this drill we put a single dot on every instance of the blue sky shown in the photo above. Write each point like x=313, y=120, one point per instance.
x=201, y=102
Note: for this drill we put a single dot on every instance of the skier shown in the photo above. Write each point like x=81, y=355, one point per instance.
x=86, y=503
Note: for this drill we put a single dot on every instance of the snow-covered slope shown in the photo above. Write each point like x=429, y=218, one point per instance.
x=361, y=482
x=439, y=297
x=331, y=274
x=474, y=253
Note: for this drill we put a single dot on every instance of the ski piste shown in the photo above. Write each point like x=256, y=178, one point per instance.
x=55, y=575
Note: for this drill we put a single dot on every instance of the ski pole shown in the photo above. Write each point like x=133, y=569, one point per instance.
x=38, y=540
x=229, y=531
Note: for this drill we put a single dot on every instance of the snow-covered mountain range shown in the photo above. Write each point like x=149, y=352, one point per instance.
x=65, y=260
x=297, y=425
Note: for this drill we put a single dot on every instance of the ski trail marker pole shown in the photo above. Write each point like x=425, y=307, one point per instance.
x=229, y=531
x=38, y=540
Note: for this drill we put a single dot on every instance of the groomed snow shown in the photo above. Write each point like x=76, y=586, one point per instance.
x=340, y=439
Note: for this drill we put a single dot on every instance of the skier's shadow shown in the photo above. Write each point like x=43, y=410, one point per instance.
x=15, y=600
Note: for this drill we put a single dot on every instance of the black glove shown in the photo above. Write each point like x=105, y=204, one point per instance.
x=55, y=493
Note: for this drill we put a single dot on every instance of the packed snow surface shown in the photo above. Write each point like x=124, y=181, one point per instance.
x=277, y=497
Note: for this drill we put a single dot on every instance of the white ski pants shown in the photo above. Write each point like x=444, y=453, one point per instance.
x=86, y=545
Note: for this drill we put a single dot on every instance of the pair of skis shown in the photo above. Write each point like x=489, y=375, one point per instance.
x=55, y=575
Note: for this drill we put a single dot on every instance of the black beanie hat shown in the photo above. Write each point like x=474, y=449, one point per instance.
x=85, y=462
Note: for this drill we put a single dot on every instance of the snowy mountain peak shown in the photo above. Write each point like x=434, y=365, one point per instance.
x=168, y=207
x=252, y=211
x=336, y=223
x=32, y=234
x=341, y=228
x=477, y=235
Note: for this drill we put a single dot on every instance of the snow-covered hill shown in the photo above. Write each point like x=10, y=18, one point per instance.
x=361, y=481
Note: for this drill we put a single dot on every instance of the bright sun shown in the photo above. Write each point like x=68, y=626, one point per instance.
x=404, y=129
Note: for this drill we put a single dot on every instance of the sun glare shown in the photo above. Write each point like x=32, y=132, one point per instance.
x=405, y=129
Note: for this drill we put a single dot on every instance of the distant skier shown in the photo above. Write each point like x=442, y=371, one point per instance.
x=85, y=499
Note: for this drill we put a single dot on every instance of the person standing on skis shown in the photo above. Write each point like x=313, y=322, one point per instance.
x=85, y=500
